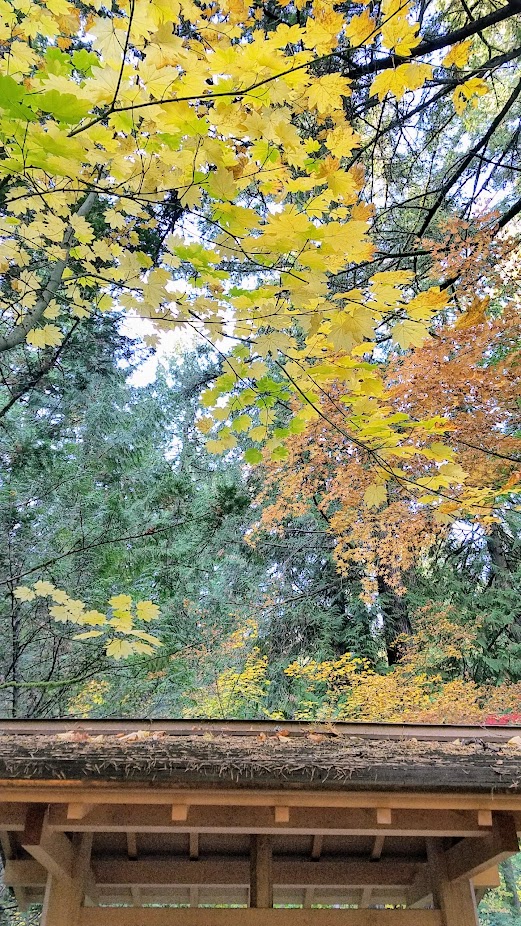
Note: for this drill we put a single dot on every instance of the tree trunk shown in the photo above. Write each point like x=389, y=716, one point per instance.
x=499, y=569
x=396, y=621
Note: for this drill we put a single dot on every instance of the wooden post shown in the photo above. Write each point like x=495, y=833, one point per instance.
x=455, y=900
x=64, y=896
x=194, y=846
x=261, y=880
x=8, y=845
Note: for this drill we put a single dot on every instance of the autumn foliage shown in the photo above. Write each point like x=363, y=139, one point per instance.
x=228, y=171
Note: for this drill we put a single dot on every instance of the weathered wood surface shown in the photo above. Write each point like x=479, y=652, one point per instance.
x=331, y=762
x=207, y=917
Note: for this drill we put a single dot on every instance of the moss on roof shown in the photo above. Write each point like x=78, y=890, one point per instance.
x=273, y=759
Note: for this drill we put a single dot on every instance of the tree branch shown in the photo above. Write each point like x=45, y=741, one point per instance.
x=20, y=332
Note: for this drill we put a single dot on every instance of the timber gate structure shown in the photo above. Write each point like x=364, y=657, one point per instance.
x=113, y=823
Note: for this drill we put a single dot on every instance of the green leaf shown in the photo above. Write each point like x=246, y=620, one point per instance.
x=242, y=423
x=11, y=96
x=280, y=453
x=57, y=62
x=84, y=61
x=65, y=107
x=252, y=455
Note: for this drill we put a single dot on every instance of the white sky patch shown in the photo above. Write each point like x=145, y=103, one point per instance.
x=171, y=343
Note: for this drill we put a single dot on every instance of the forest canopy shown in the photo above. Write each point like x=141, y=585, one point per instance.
x=311, y=508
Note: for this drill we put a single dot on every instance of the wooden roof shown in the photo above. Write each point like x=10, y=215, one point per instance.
x=316, y=757
x=125, y=815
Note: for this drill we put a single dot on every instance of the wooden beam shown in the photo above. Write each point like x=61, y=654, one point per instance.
x=34, y=823
x=420, y=892
x=469, y=857
x=316, y=846
x=136, y=895
x=63, y=899
x=8, y=845
x=365, y=898
x=12, y=817
x=488, y=878
x=132, y=845
x=24, y=873
x=127, y=916
x=194, y=846
x=309, y=896
x=378, y=845
x=52, y=850
x=233, y=871
x=304, y=820
x=456, y=901
x=65, y=792
x=261, y=877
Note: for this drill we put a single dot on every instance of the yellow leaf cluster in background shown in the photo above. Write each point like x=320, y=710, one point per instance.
x=347, y=688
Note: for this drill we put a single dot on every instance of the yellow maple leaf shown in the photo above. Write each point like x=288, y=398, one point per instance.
x=221, y=185
x=360, y=29
x=120, y=602
x=427, y=304
x=241, y=423
x=475, y=314
x=60, y=613
x=83, y=231
x=44, y=588
x=451, y=473
x=120, y=649
x=115, y=219
x=398, y=80
x=147, y=610
x=23, y=593
x=221, y=445
x=341, y=141
x=259, y=433
x=94, y=618
x=48, y=336
x=53, y=310
x=122, y=622
x=474, y=87
x=274, y=341
x=204, y=424
x=326, y=93
x=322, y=35
x=458, y=55
x=409, y=334
x=88, y=635
x=375, y=495
x=399, y=35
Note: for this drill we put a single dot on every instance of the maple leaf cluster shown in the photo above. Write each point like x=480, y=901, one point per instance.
x=122, y=631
